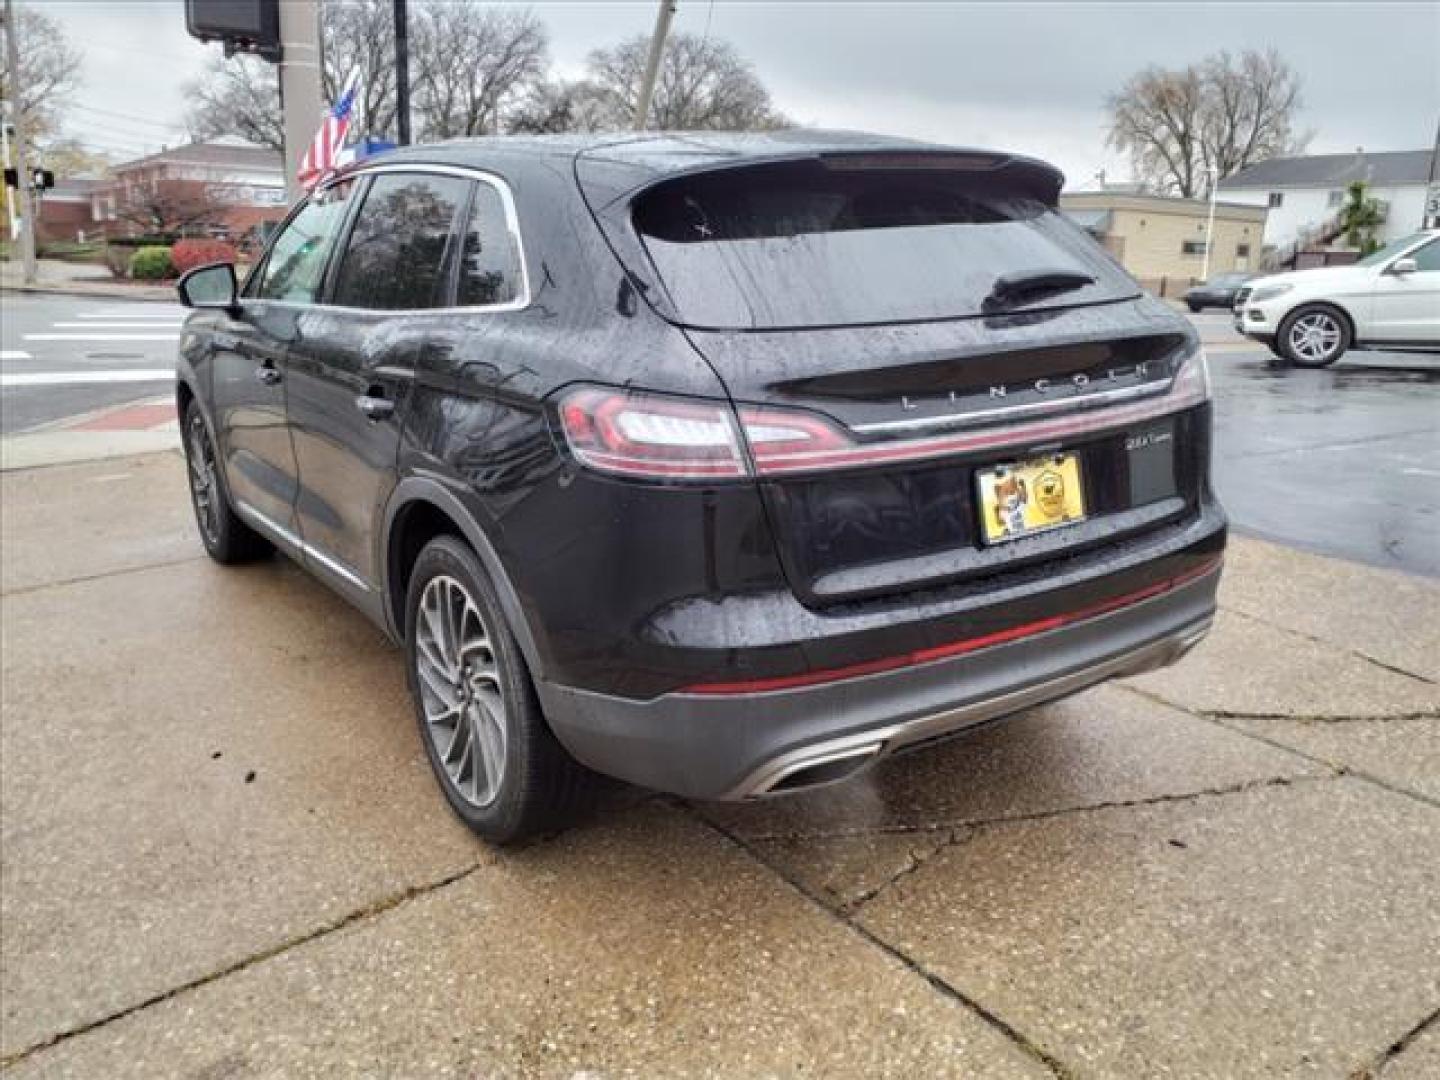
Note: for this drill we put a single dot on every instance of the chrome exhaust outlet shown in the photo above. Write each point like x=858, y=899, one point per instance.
x=809, y=772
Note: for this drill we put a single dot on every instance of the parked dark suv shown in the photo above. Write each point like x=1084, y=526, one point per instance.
x=724, y=465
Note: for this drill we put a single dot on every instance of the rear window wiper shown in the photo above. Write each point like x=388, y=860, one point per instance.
x=1026, y=284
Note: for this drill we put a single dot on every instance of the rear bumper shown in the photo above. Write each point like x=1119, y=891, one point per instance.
x=747, y=745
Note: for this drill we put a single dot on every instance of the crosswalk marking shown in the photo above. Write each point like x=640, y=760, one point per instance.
x=71, y=378
x=102, y=337
x=115, y=326
x=13, y=354
x=150, y=311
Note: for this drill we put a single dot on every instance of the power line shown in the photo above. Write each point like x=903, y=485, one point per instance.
x=129, y=116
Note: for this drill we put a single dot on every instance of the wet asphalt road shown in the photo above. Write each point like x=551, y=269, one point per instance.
x=64, y=356
x=1343, y=461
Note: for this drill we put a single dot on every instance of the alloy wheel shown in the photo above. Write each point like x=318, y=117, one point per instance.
x=1315, y=336
x=204, y=488
x=459, y=679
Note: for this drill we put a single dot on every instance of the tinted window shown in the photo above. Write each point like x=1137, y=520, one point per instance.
x=1428, y=257
x=802, y=245
x=296, y=264
x=396, y=253
x=489, y=262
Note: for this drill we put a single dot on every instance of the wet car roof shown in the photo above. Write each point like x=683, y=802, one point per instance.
x=618, y=163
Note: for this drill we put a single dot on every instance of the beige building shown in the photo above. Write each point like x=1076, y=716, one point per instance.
x=1162, y=240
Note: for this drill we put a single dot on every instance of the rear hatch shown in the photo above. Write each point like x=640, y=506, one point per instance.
x=955, y=341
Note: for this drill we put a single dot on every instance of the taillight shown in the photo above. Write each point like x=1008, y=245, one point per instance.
x=672, y=438
x=650, y=435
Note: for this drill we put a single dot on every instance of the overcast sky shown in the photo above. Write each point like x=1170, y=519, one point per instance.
x=1015, y=76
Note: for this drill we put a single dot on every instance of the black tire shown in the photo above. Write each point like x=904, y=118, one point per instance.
x=1331, y=326
x=227, y=539
x=1194, y=308
x=541, y=787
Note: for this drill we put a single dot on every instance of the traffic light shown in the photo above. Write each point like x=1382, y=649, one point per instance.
x=242, y=25
x=42, y=179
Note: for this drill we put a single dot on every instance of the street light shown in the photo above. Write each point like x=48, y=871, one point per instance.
x=1210, y=222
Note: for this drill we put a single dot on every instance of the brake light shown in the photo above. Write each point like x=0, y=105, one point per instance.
x=650, y=435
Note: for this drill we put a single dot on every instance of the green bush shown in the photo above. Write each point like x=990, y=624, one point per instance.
x=151, y=264
x=118, y=250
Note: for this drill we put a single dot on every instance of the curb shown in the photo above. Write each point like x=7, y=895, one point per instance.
x=111, y=292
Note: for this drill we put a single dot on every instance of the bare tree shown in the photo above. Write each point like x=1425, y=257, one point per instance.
x=49, y=74
x=180, y=210
x=359, y=37
x=1250, y=108
x=557, y=106
x=703, y=84
x=472, y=65
x=239, y=96
x=1223, y=113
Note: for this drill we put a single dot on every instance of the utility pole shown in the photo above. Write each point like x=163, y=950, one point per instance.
x=1210, y=222
x=1431, y=219
x=300, y=89
x=652, y=65
x=22, y=167
x=402, y=73
x=10, y=215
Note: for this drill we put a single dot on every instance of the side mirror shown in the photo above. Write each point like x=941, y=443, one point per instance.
x=212, y=286
x=1401, y=267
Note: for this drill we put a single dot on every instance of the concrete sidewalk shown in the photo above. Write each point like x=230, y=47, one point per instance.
x=223, y=853
x=80, y=279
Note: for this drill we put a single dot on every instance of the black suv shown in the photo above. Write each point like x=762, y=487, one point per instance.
x=726, y=465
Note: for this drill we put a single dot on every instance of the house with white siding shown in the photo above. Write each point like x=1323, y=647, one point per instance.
x=1305, y=194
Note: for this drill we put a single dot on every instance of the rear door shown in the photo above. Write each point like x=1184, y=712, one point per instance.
x=893, y=303
x=353, y=361
x=251, y=362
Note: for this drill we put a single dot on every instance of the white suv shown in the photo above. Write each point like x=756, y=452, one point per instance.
x=1388, y=300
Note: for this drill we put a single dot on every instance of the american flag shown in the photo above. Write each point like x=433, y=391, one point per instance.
x=320, y=159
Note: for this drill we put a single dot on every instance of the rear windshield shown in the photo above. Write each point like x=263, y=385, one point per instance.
x=797, y=244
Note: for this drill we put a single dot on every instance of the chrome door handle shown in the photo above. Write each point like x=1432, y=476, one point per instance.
x=268, y=374
x=375, y=408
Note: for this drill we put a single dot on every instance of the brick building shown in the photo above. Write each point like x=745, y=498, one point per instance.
x=221, y=189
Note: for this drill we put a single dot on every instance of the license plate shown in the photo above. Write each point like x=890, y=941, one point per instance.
x=1028, y=497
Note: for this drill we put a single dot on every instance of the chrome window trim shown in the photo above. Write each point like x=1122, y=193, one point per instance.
x=280, y=532
x=464, y=172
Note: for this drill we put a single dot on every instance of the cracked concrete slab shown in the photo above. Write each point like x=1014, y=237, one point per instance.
x=1247, y=667
x=1402, y=752
x=75, y=521
x=196, y=764
x=1107, y=745
x=645, y=945
x=1380, y=613
x=1419, y=1060
x=845, y=871
x=1269, y=932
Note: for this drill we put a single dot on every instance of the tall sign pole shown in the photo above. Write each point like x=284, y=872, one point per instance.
x=1431, y=219
x=402, y=74
x=652, y=65
x=22, y=166
x=300, y=89
x=1210, y=222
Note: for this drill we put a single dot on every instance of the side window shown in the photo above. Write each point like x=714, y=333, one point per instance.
x=1427, y=259
x=296, y=264
x=489, y=262
x=396, y=253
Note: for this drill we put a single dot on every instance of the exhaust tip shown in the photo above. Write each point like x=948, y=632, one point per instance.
x=827, y=769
